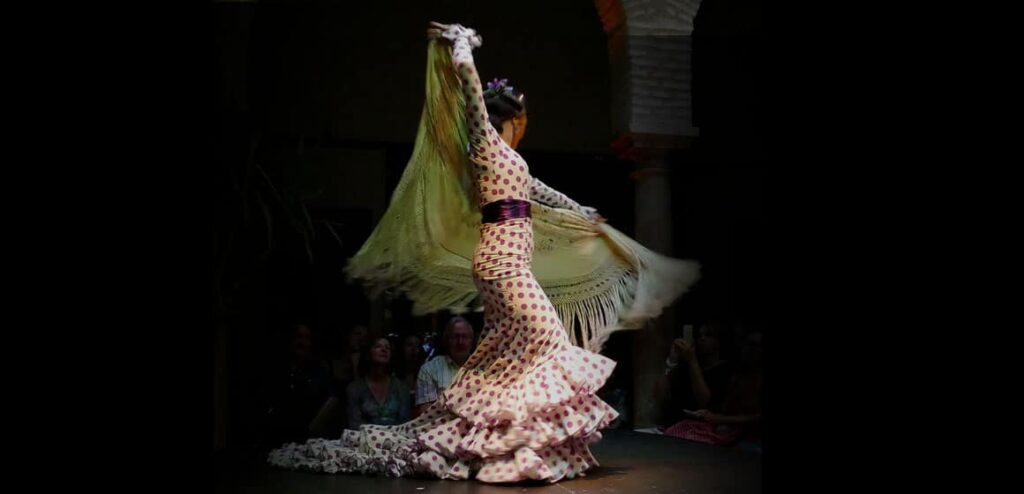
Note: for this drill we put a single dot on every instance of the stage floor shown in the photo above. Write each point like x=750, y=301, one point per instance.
x=631, y=463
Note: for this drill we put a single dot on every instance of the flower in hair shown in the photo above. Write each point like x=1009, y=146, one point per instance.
x=499, y=86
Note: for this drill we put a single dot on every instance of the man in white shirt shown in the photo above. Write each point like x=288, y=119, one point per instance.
x=437, y=373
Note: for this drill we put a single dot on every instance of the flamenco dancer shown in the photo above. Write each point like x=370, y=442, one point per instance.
x=524, y=405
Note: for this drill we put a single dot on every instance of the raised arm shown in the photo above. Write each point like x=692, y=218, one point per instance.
x=482, y=136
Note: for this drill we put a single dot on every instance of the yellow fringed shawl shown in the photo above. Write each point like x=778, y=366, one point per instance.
x=599, y=280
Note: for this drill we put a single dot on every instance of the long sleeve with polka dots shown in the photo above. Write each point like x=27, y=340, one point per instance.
x=540, y=192
x=482, y=136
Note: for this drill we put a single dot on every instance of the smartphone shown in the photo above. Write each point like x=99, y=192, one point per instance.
x=688, y=333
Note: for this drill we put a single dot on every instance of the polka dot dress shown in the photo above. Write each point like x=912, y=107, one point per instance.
x=523, y=406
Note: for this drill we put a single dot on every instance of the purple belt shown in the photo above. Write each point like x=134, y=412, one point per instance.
x=505, y=209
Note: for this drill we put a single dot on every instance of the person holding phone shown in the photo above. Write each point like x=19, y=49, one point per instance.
x=740, y=416
x=695, y=377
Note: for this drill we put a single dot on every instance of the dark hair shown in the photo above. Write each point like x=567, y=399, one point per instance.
x=503, y=106
x=366, y=360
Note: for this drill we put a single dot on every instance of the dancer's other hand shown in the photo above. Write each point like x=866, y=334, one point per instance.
x=593, y=215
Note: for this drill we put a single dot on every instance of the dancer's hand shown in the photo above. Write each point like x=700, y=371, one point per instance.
x=593, y=215
x=436, y=31
x=451, y=32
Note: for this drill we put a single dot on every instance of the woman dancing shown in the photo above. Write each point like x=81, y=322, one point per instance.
x=523, y=406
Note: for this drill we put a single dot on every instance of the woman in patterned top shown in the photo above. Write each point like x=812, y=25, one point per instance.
x=377, y=397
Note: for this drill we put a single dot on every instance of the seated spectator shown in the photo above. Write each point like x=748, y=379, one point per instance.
x=435, y=375
x=377, y=396
x=409, y=361
x=696, y=377
x=295, y=391
x=740, y=417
